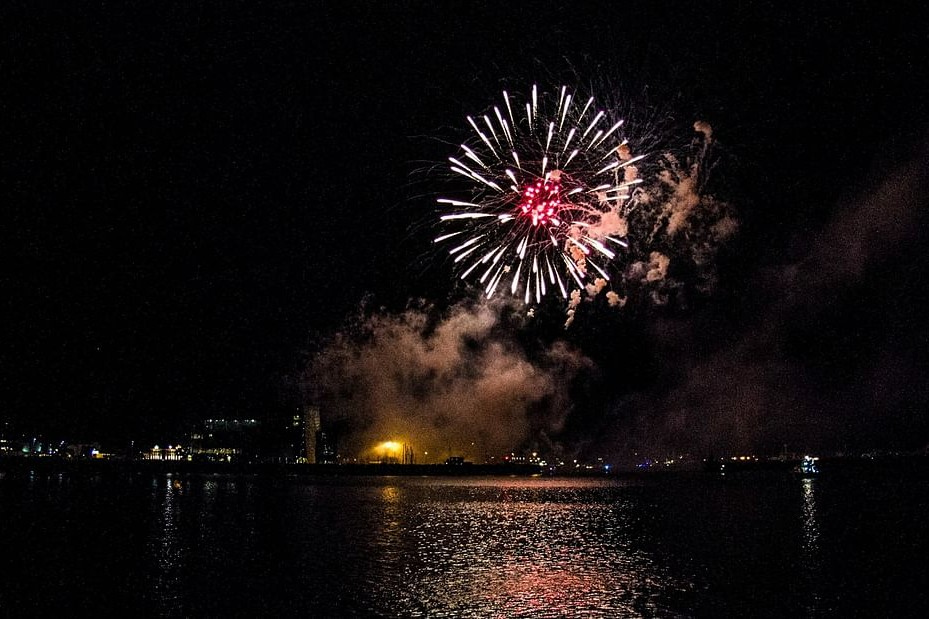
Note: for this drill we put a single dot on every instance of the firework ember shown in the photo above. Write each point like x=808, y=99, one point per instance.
x=548, y=190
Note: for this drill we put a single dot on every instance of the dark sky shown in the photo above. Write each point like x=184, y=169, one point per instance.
x=196, y=195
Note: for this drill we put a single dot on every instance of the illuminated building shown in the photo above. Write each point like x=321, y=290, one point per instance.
x=325, y=448
x=224, y=439
x=170, y=452
x=320, y=447
x=311, y=431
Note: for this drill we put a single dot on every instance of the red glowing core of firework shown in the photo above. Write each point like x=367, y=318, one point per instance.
x=541, y=202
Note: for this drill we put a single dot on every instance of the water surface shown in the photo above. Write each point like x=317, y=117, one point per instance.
x=697, y=545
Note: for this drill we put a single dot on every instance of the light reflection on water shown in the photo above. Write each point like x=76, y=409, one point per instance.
x=531, y=558
x=164, y=543
x=418, y=547
x=213, y=545
x=811, y=553
x=539, y=548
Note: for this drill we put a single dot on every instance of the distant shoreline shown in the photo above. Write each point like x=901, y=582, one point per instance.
x=910, y=464
x=53, y=465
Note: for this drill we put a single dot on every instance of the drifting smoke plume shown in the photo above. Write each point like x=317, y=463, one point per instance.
x=458, y=383
x=677, y=227
x=833, y=355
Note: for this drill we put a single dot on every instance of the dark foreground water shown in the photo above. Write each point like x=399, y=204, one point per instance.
x=112, y=544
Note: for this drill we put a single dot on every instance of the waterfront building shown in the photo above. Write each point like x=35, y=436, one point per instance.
x=225, y=439
x=311, y=430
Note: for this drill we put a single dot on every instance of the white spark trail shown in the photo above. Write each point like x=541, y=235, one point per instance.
x=574, y=270
x=483, y=137
x=619, y=242
x=471, y=172
x=473, y=157
x=570, y=157
x=610, y=132
x=600, y=247
x=493, y=131
x=582, y=247
x=465, y=216
x=466, y=244
x=515, y=285
x=506, y=98
x=564, y=113
x=468, y=272
x=584, y=111
x=506, y=130
x=444, y=237
x=465, y=254
x=599, y=270
x=593, y=123
x=633, y=160
x=568, y=141
x=609, y=167
x=457, y=203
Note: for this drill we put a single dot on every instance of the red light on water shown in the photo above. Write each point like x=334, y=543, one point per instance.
x=541, y=202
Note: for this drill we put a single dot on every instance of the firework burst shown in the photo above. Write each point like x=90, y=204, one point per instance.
x=550, y=182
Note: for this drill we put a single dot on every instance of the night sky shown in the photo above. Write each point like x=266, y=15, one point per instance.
x=198, y=197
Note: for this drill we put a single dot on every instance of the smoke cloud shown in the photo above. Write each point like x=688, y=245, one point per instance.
x=448, y=383
x=832, y=357
x=675, y=230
